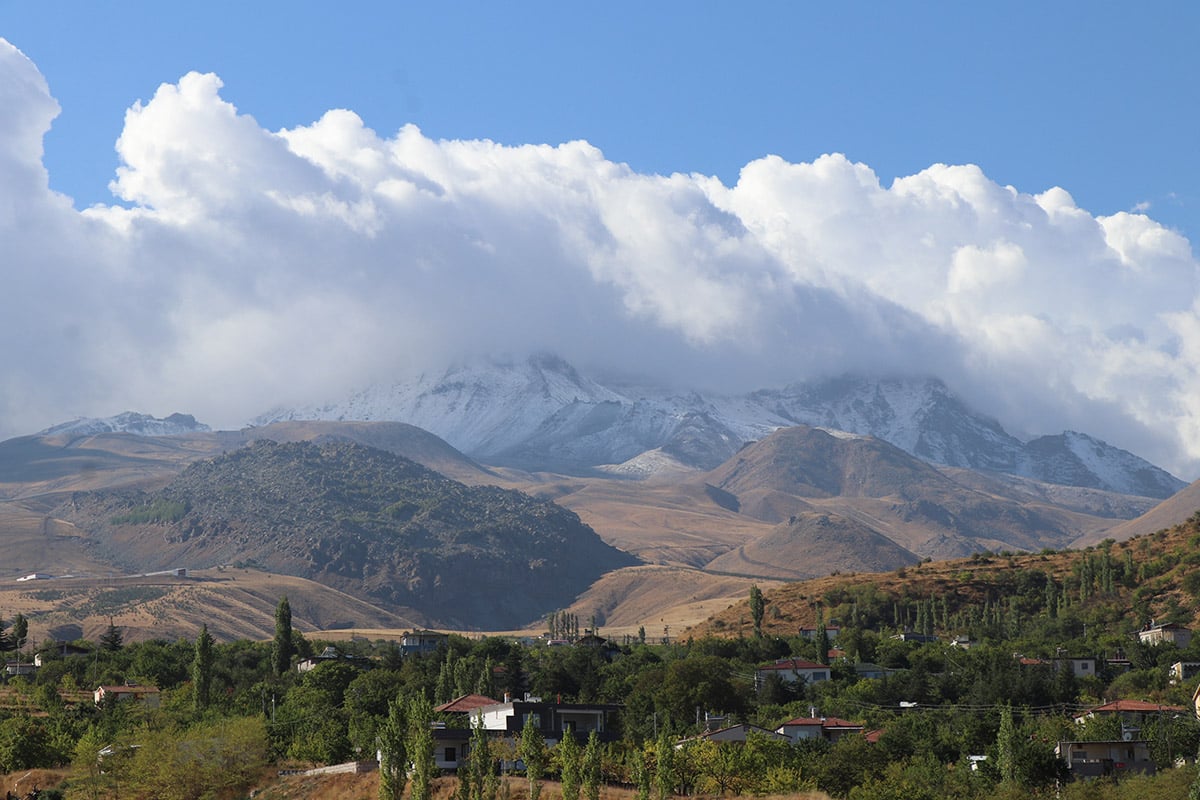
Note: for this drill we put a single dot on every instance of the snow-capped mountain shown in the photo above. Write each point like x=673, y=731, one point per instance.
x=542, y=413
x=130, y=422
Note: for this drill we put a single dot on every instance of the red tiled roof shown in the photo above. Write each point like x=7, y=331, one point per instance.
x=465, y=703
x=803, y=721
x=1117, y=706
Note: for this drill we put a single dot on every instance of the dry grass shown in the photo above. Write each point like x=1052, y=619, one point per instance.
x=366, y=787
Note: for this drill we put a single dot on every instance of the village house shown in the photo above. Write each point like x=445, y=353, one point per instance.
x=828, y=728
x=146, y=695
x=420, y=642
x=1132, y=713
x=792, y=670
x=59, y=650
x=551, y=719
x=13, y=668
x=1100, y=759
x=1183, y=670
x=1169, y=632
x=734, y=733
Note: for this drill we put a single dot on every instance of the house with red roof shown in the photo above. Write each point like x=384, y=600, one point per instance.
x=828, y=728
x=792, y=670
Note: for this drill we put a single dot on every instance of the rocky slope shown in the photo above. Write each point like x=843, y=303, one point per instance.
x=361, y=520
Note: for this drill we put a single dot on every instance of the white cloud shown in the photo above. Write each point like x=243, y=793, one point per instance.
x=253, y=267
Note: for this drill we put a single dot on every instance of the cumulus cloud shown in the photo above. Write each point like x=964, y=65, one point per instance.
x=244, y=268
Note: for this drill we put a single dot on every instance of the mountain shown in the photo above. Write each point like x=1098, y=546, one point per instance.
x=130, y=422
x=819, y=481
x=361, y=520
x=543, y=414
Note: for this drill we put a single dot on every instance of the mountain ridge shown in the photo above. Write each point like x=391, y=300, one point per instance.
x=544, y=414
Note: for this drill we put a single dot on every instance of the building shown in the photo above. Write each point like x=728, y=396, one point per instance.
x=1184, y=670
x=737, y=734
x=146, y=695
x=19, y=668
x=1170, y=632
x=792, y=670
x=418, y=642
x=1132, y=713
x=551, y=719
x=1100, y=759
x=828, y=728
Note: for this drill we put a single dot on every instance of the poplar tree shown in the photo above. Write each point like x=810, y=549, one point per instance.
x=533, y=752
x=420, y=748
x=591, y=767
x=569, y=765
x=202, y=669
x=283, y=647
x=757, y=607
x=393, y=754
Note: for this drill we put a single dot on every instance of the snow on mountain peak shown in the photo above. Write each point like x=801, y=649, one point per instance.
x=542, y=413
x=130, y=422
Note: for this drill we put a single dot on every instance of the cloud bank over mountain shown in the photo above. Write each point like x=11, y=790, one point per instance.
x=240, y=268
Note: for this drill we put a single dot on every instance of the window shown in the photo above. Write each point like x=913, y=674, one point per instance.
x=451, y=756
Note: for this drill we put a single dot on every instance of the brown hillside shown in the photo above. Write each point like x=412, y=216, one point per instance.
x=1171, y=511
x=1166, y=564
x=234, y=603
x=814, y=544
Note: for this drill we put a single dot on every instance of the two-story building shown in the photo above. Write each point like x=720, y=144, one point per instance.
x=551, y=719
x=1100, y=759
x=1166, y=633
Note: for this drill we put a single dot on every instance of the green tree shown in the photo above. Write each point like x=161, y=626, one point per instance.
x=212, y=759
x=420, y=748
x=485, y=783
x=640, y=772
x=112, y=640
x=569, y=765
x=591, y=767
x=532, y=751
x=1006, y=762
x=283, y=647
x=665, y=773
x=20, y=631
x=202, y=670
x=393, y=755
x=757, y=607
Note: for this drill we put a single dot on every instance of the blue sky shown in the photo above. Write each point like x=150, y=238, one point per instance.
x=1099, y=98
x=726, y=197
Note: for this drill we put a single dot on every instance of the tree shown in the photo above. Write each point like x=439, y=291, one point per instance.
x=202, y=670
x=393, y=755
x=283, y=647
x=640, y=772
x=757, y=607
x=532, y=751
x=1006, y=748
x=664, y=772
x=420, y=748
x=484, y=782
x=591, y=767
x=20, y=631
x=570, y=766
x=112, y=640
x=822, y=638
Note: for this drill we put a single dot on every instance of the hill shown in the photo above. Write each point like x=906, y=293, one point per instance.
x=360, y=520
x=881, y=489
x=1118, y=586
